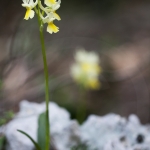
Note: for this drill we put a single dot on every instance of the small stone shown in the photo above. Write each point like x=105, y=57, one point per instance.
x=140, y=138
x=123, y=139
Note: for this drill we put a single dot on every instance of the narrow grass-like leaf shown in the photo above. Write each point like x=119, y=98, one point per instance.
x=35, y=144
x=42, y=131
x=2, y=140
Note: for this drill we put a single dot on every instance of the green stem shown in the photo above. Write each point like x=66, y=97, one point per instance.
x=46, y=83
x=82, y=108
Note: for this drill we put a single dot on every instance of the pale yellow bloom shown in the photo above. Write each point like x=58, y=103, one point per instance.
x=51, y=28
x=29, y=5
x=85, y=71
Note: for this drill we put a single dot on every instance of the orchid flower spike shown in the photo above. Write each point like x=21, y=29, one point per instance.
x=29, y=5
x=47, y=14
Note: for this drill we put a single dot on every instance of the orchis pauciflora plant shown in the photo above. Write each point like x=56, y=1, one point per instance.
x=46, y=13
x=85, y=71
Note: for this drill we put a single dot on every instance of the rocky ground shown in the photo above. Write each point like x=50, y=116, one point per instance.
x=109, y=132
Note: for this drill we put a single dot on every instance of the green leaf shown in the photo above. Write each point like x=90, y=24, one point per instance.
x=2, y=141
x=42, y=131
x=35, y=144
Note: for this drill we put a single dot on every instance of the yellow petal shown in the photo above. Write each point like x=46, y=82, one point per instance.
x=94, y=84
x=52, y=28
x=57, y=16
x=29, y=14
x=98, y=69
x=50, y=2
x=32, y=14
x=86, y=67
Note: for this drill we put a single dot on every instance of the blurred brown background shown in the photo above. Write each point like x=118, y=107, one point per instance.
x=119, y=31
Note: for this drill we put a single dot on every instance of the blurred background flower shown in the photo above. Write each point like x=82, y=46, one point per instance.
x=85, y=71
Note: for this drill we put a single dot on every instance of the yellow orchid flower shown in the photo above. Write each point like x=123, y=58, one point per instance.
x=29, y=5
x=51, y=28
x=85, y=71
